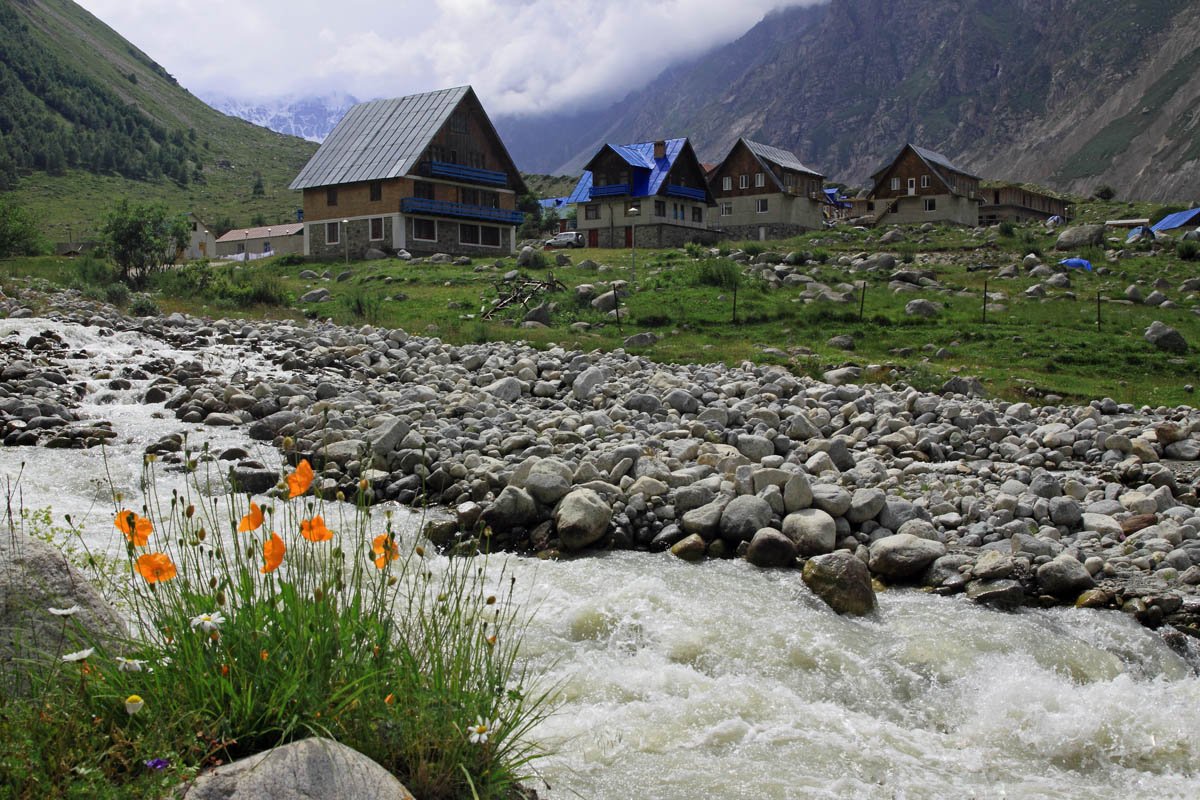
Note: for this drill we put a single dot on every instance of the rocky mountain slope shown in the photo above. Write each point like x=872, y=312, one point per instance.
x=1069, y=93
x=309, y=118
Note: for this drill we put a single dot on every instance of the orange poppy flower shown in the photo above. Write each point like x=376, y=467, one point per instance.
x=137, y=529
x=273, y=550
x=252, y=521
x=386, y=549
x=155, y=567
x=314, y=529
x=299, y=481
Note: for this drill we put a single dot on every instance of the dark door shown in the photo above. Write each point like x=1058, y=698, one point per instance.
x=593, y=238
x=629, y=236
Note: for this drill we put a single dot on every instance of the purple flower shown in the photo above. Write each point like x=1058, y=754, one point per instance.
x=158, y=763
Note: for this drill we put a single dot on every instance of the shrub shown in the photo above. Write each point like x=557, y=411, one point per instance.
x=363, y=304
x=696, y=250
x=718, y=272
x=290, y=260
x=1188, y=251
x=1007, y=228
x=1105, y=192
x=143, y=305
x=117, y=294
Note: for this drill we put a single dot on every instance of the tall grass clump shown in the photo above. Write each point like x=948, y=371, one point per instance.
x=1187, y=251
x=257, y=625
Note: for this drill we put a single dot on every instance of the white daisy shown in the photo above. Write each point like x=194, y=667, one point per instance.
x=208, y=622
x=79, y=655
x=479, y=732
x=64, y=612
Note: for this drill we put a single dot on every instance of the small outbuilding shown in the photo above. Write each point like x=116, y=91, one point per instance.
x=248, y=244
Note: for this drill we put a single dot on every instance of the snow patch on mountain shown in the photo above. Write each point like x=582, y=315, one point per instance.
x=310, y=117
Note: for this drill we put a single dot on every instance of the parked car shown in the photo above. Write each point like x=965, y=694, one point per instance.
x=565, y=239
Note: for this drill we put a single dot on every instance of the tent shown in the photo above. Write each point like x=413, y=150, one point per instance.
x=1177, y=220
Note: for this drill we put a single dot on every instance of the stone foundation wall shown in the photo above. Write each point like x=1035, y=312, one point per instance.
x=774, y=230
x=656, y=236
x=356, y=239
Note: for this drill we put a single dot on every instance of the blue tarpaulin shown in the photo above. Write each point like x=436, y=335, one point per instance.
x=1077, y=263
x=1138, y=233
x=1177, y=220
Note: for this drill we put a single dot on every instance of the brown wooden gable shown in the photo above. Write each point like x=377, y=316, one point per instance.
x=469, y=139
x=687, y=171
x=929, y=178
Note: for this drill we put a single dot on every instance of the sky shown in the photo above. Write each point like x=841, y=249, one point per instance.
x=522, y=56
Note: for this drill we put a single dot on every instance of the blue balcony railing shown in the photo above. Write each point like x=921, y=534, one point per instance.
x=686, y=191
x=612, y=190
x=457, y=172
x=418, y=205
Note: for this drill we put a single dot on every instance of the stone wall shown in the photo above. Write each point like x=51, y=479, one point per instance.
x=447, y=241
x=355, y=239
x=773, y=230
x=656, y=236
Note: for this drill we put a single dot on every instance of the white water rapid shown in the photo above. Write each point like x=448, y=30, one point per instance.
x=725, y=681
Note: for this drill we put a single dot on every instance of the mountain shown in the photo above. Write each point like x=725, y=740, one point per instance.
x=86, y=118
x=1067, y=93
x=309, y=118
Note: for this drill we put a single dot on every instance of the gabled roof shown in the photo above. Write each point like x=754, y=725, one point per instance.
x=784, y=159
x=263, y=232
x=649, y=172
x=936, y=162
x=384, y=139
x=583, y=189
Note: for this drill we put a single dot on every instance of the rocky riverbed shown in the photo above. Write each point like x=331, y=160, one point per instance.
x=560, y=452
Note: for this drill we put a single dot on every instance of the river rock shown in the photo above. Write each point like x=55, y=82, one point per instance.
x=314, y=767
x=842, y=581
x=770, y=548
x=1000, y=593
x=743, y=516
x=865, y=504
x=690, y=548
x=513, y=508
x=812, y=531
x=581, y=519
x=903, y=555
x=1064, y=577
x=548, y=481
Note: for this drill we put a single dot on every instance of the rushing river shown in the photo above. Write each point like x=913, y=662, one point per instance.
x=725, y=681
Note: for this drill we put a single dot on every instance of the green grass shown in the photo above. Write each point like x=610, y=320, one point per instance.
x=262, y=626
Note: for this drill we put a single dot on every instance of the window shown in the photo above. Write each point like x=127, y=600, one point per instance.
x=760, y=180
x=727, y=183
x=743, y=181
x=331, y=196
x=425, y=229
x=266, y=246
x=895, y=184
x=241, y=248
x=591, y=211
x=924, y=181
x=697, y=214
x=931, y=204
x=376, y=191
x=458, y=122
x=726, y=209
x=468, y=234
x=636, y=206
x=489, y=236
x=376, y=229
x=423, y=190
x=333, y=233
x=193, y=227
x=660, y=208
x=760, y=205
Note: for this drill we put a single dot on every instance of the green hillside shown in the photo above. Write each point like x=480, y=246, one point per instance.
x=87, y=118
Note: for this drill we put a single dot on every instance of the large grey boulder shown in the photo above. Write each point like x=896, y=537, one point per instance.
x=506, y=389
x=34, y=578
x=587, y=382
x=812, y=530
x=526, y=257
x=512, y=508
x=1166, y=338
x=903, y=555
x=922, y=308
x=1080, y=236
x=316, y=296
x=770, y=548
x=842, y=581
x=548, y=481
x=582, y=519
x=865, y=504
x=1064, y=577
x=743, y=517
x=299, y=771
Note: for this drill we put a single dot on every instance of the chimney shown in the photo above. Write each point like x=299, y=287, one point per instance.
x=660, y=149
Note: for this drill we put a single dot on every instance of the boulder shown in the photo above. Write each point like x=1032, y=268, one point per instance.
x=842, y=581
x=581, y=519
x=1064, y=577
x=526, y=257
x=1080, y=236
x=34, y=578
x=689, y=548
x=315, y=767
x=548, y=481
x=315, y=296
x=903, y=555
x=770, y=548
x=922, y=308
x=812, y=531
x=743, y=516
x=513, y=508
x=1166, y=338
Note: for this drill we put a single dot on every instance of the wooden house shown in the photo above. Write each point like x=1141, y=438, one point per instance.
x=919, y=185
x=248, y=244
x=1016, y=203
x=764, y=192
x=425, y=173
x=654, y=193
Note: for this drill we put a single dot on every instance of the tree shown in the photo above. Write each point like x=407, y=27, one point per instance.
x=1106, y=192
x=259, y=190
x=18, y=236
x=143, y=239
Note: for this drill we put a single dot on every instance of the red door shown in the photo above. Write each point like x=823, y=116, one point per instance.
x=629, y=236
x=594, y=238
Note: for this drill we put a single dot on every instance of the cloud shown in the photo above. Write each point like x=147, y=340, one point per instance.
x=520, y=55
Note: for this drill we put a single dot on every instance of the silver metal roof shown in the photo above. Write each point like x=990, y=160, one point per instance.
x=380, y=139
x=782, y=158
x=940, y=160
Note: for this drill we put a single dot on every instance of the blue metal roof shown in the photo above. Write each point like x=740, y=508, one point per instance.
x=555, y=203
x=583, y=190
x=649, y=173
x=1176, y=220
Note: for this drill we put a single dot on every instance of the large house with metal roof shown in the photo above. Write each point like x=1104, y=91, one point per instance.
x=764, y=192
x=425, y=173
x=651, y=193
x=919, y=185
